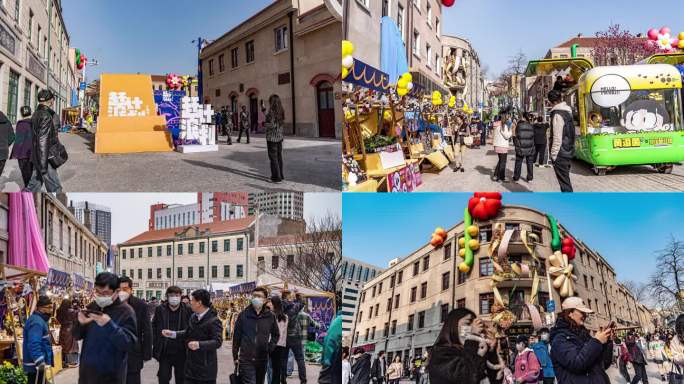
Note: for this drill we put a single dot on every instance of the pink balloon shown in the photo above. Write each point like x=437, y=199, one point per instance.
x=665, y=30
x=675, y=43
x=653, y=34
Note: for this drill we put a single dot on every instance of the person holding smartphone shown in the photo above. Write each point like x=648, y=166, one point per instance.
x=577, y=356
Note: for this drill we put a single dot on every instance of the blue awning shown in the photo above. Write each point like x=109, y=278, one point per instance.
x=366, y=76
x=392, y=50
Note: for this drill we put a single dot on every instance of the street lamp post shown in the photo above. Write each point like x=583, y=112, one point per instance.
x=85, y=81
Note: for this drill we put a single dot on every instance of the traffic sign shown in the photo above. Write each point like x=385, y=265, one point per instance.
x=82, y=86
x=550, y=306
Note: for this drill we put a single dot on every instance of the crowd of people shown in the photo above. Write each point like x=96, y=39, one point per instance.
x=535, y=142
x=119, y=332
x=468, y=350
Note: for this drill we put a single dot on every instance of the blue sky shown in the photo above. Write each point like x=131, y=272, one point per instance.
x=150, y=36
x=499, y=28
x=626, y=228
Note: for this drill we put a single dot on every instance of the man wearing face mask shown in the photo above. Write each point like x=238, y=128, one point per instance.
x=202, y=337
x=170, y=353
x=108, y=329
x=37, y=351
x=541, y=350
x=254, y=338
x=143, y=348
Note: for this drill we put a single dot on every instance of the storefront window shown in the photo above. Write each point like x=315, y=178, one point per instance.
x=13, y=97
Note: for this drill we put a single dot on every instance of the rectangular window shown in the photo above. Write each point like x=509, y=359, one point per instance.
x=13, y=97
x=201, y=247
x=400, y=20
x=249, y=51
x=512, y=226
x=373, y=334
x=428, y=52
x=190, y=274
x=123, y=254
x=380, y=288
x=239, y=270
x=132, y=274
x=290, y=262
x=226, y=245
x=179, y=273
x=421, y=319
x=416, y=268
x=426, y=263
x=385, y=331
x=486, y=302
x=485, y=233
x=240, y=244
x=392, y=279
x=400, y=277
x=149, y=273
x=447, y=251
x=27, y=92
x=211, y=69
x=214, y=245
x=414, y=290
x=416, y=43
x=191, y=248
x=159, y=250
x=214, y=271
x=201, y=272
x=443, y=313
x=462, y=277
x=389, y=306
x=139, y=273
x=168, y=273
x=281, y=38
x=460, y=303
x=222, y=63
x=139, y=253
x=274, y=262
x=226, y=271
x=234, y=58
x=486, y=267
x=394, y=327
x=159, y=273
x=30, y=26
x=445, y=280
x=149, y=251
x=180, y=249
x=396, y=301
x=411, y=321
x=423, y=290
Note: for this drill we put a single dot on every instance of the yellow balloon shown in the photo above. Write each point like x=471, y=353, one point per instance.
x=347, y=48
x=387, y=115
x=681, y=37
x=463, y=267
x=461, y=242
x=402, y=91
x=408, y=77
x=681, y=42
x=349, y=115
x=461, y=252
x=402, y=83
x=436, y=95
x=473, y=230
x=345, y=72
x=474, y=244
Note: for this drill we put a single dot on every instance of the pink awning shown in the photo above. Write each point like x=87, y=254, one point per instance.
x=26, y=249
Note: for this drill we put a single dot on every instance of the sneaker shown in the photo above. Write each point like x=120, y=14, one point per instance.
x=462, y=170
x=537, y=165
x=515, y=180
x=529, y=180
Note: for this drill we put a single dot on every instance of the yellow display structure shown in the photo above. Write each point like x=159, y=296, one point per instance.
x=128, y=120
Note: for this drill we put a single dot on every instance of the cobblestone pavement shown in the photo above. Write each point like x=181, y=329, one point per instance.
x=225, y=365
x=311, y=165
x=480, y=163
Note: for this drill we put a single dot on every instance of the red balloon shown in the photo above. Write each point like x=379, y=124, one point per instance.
x=653, y=34
x=665, y=30
x=448, y=3
x=484, y=205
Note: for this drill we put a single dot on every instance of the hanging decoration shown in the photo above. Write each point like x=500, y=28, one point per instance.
x=484, y=205
x=81, y=60
x=448, y=3
x=555, y=234
x=174, y=82
x=661, y=40
x=438, y=237
x=561, y=270
x=452, y=101
x=437, y=98
x=404, y=84
x=347, y=57
x=468, y=244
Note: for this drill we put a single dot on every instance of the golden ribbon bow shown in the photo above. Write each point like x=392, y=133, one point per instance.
x=561, y=270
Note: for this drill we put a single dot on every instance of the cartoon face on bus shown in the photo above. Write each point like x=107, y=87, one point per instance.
x=645, y=116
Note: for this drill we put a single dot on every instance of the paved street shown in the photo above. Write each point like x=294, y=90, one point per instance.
x=311, y=165
x=226, y=367
x=480, y=163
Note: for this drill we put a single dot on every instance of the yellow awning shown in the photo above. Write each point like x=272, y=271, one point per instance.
x=548, y=67
x=666, y=58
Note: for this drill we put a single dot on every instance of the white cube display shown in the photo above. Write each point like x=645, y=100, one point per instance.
x=196, y=129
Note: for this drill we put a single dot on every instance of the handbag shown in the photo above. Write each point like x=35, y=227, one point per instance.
x=468, y=140
x=57, y=155
x=234, y=377
x=675, y=377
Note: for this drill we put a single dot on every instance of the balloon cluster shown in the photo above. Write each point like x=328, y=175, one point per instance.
x=452, y=101
x=438, y=237
x=404, y=84
x=185, y=81
x=468, y=244
x=173, y=81
x=484, y=205
x=347, y=58
x=448, y=3
x=662, y=40
x=81, y=59
x=467, y=109
x=568, y=247
x=437, y=98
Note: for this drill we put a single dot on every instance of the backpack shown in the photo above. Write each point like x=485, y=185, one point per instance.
x=539, y=371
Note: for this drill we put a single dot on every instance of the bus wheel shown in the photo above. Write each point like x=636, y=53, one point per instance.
x=600, y=171
x=665, y=168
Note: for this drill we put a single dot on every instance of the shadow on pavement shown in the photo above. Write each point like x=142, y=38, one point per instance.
x=234, y=171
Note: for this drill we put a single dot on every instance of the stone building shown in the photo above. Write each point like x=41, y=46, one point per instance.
x=355, y=273
x=34, y=54
x=462, y=71
x=402, y=309
x=70, y=245
x=290, y=49
x=419, y=22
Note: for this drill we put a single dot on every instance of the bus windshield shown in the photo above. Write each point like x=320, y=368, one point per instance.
x=642, y=111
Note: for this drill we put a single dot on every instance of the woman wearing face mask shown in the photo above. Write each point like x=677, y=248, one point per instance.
x=457, y=355
x=526, y=363
x=676, y=348
x=541, y=350
x=577, y=356
x=279, y=355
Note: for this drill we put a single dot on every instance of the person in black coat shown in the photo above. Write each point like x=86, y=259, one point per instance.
x=636, y=357
x=202, y=338
x=540, y=141
x=143, y=348
x=523, y=139
x=44, y=128
x=254, y=338
x=173, y=315
x=577, y=357
x=457, y=357
x=361, y=367
x=6, y=139
x=379, y=368
x=108, y=331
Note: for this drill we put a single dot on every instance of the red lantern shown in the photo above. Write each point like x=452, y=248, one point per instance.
x=484, y=205
x=448, y=3
x=568, y=247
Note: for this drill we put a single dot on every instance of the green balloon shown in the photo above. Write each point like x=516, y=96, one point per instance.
x=555, y=234
x=467, y=222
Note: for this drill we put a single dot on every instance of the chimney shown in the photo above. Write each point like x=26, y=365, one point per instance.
x=579, y=35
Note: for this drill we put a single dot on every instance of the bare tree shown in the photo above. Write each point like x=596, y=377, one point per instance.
x=640, y=291
x=517, y=63
x=313, y=259
x=667, y=283
x=617, y=46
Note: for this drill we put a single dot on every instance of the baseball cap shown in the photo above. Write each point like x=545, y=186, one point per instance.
x=575, y=302
x=43, y=301
x=45, y=95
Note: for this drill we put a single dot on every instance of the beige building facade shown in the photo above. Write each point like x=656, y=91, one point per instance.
x=34, y=54
x=462, y=71
x=402, y=310
x=287, y=49
x=419, y=22
x=71, y=247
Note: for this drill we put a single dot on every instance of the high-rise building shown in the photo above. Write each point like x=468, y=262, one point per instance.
x=354, y=274
x=97, y=218
x=211, y=207
x=289, y=205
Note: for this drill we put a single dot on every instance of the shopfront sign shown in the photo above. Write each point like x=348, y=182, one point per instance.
x=35, y=67
x=7, y=40
x=157, y=284
x=520, y=330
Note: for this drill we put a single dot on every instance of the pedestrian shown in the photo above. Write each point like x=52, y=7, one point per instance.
x=540, y=141
x=173, y=315
x=457, y=355
x=424, y=376
x=107, y=328
x=562, y=139
x=656, y=349
x=67, y=316
x=244, y=123
x=255, y=336
x=37, y=350
x=261, y=118
x=579, y=358
x=331, y=358
x=227, y=124
x=502, y=135
x=346, y=366
x=185, y=299
x=676, y=375
x=152, y=306
x=623, y=360
x=395, y=371
x=379, y=371
x=296, y=331
x=495, y=364
x=143, y=346
x=47, y=153
x=21, y=150
x=527, y=366
x=218, y=122
x=523, y=139
x=361, y=367
x=202, y=338
x=541, y=351
x=279, y=355
x=6, y=139
x=637, y=358
x=483, y=133
x=275, y=117
x=462, y=139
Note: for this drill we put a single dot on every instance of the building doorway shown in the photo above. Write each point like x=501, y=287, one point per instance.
x=253, y=112
x=326, y=109
x=234, y=111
